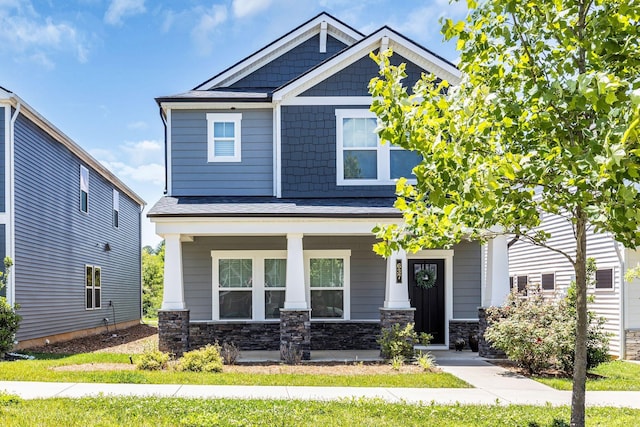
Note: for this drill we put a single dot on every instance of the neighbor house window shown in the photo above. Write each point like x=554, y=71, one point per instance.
x=116, y=209
x=223, y=136
x=328, y=279
x=248, y=285
x=548, y=281
x=84, y=189
x=604, y=278
x=522, y=284
x=362, y=159
x=93, y=287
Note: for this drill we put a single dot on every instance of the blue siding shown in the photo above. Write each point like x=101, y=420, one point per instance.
x=466, y=280
x=354, y=79
x=3, y=129
x=54, y=240
x=193, y=175
x=291, y=64
x=309, y=155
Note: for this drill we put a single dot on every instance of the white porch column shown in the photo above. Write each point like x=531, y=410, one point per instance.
x=295, y=294
x=397, y=292
x=497, y=285
x=173, y=294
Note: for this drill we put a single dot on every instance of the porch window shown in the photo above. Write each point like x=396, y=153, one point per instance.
x=328, y=283
x=93, y=287
x=224, y=137
x=235, y=282
x=275, y=280
x=362, y=159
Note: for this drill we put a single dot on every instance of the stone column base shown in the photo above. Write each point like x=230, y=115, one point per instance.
x=173, y=331
x=632, y=344
x=484, y=348
x=295, y=333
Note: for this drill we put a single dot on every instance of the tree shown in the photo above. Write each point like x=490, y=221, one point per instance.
x=535, y=127
x=152, y=279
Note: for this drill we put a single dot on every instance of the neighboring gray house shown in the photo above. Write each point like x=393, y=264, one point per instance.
x=275, y=180
x=72, y=229
x=617, y=300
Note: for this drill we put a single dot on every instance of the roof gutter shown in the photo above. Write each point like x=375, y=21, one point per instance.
x=164, y=123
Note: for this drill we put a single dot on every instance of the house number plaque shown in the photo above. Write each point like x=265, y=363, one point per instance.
x=398, y=271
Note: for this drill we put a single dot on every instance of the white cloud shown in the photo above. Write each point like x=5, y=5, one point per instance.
x=119, y=9
x=141, y=161
x=29, y=36
x=424, y=21
x=242, y=8
x=152, y=173
x=140, y=125
x=202, y=34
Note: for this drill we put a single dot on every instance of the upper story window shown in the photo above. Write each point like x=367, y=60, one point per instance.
x=362, y=159
x=223, y=137
x=84, y=189
x=116, y=209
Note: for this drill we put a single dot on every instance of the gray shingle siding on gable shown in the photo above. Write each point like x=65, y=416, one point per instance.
x=291, y=64
x=354, y=79
x=193, y=175
x=309, y=155
x=54, y=240
x=3, y=129
x=466, y=280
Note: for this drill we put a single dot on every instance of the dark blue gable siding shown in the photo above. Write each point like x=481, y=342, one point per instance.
x=309, y=155
x=290, y=65
x=54, y=240
x=3, y=130
x=354, y=79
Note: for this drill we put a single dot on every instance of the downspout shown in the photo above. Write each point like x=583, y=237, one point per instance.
x=623, y=313
x=164, y=123
x=11, y=294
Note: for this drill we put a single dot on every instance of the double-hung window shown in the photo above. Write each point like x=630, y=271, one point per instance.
x=93, y=287
x=328, y=279
x=84, y=189
x=362, y=159
x=223, y=137
x=235, y=283
x=116, y=209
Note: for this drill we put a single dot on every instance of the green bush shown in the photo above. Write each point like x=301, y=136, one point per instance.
x=205, y=359
x=9, y=319
x=152, y=360
x=399, y=341
x=538, y=334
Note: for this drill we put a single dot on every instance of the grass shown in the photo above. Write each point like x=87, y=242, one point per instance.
x=615, y=376
x=41, y=370
x=107, y=411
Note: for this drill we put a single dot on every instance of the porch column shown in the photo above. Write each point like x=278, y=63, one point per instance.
x=295, y=297
x=173, y=293
x=397, y=281
x=295, y=317
x=497, y=286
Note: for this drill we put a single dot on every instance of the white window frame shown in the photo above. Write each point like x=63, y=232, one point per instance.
x=93, y=268
x=116, y=209
x=345, y=255
x=257, y=280
x=383, y=152
x=236, y=119
x=84, y=187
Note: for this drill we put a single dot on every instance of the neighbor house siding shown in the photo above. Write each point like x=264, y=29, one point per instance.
x=354, y=79
x=193, y=175
x=632, y=294
x=466, y=280
x=290, y=65
x=54, y=240
x=3, y=132
x=367, y=269
x=309, y=155
x=3, y=253
x=526, y=259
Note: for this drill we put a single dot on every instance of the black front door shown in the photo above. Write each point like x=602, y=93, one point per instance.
x=429, y=303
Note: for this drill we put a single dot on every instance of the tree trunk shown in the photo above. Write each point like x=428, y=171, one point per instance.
x=580, y=359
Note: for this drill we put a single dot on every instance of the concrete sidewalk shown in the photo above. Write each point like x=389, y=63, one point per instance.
x=493, y=385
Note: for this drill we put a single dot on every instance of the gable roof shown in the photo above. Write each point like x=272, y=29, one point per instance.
x=14, y=100
x=383, y=38
x=246, y=66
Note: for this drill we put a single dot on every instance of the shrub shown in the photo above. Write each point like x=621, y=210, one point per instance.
x=205, y=359
x=397, y=362
x=426, y=361
x=152, y=360
x=399, y=341
x=230, y=353
x=9, y=319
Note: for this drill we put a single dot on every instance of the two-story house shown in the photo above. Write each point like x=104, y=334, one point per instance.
x=71, y=228
x=275, y=180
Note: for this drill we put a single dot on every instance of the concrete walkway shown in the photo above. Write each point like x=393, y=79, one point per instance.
x=493, y=385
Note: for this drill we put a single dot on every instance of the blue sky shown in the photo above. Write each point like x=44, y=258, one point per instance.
x=94, y=67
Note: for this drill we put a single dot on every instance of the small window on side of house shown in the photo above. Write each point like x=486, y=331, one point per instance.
x=604, y=278
x=548, y=281
x=224, y=137
x=93, y=287
x=84, y=189
x=522, y=283
x=116, y=209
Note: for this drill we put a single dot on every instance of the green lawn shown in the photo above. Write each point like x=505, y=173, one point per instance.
x=225, y=412
x=616, y=376
x=41, y=370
